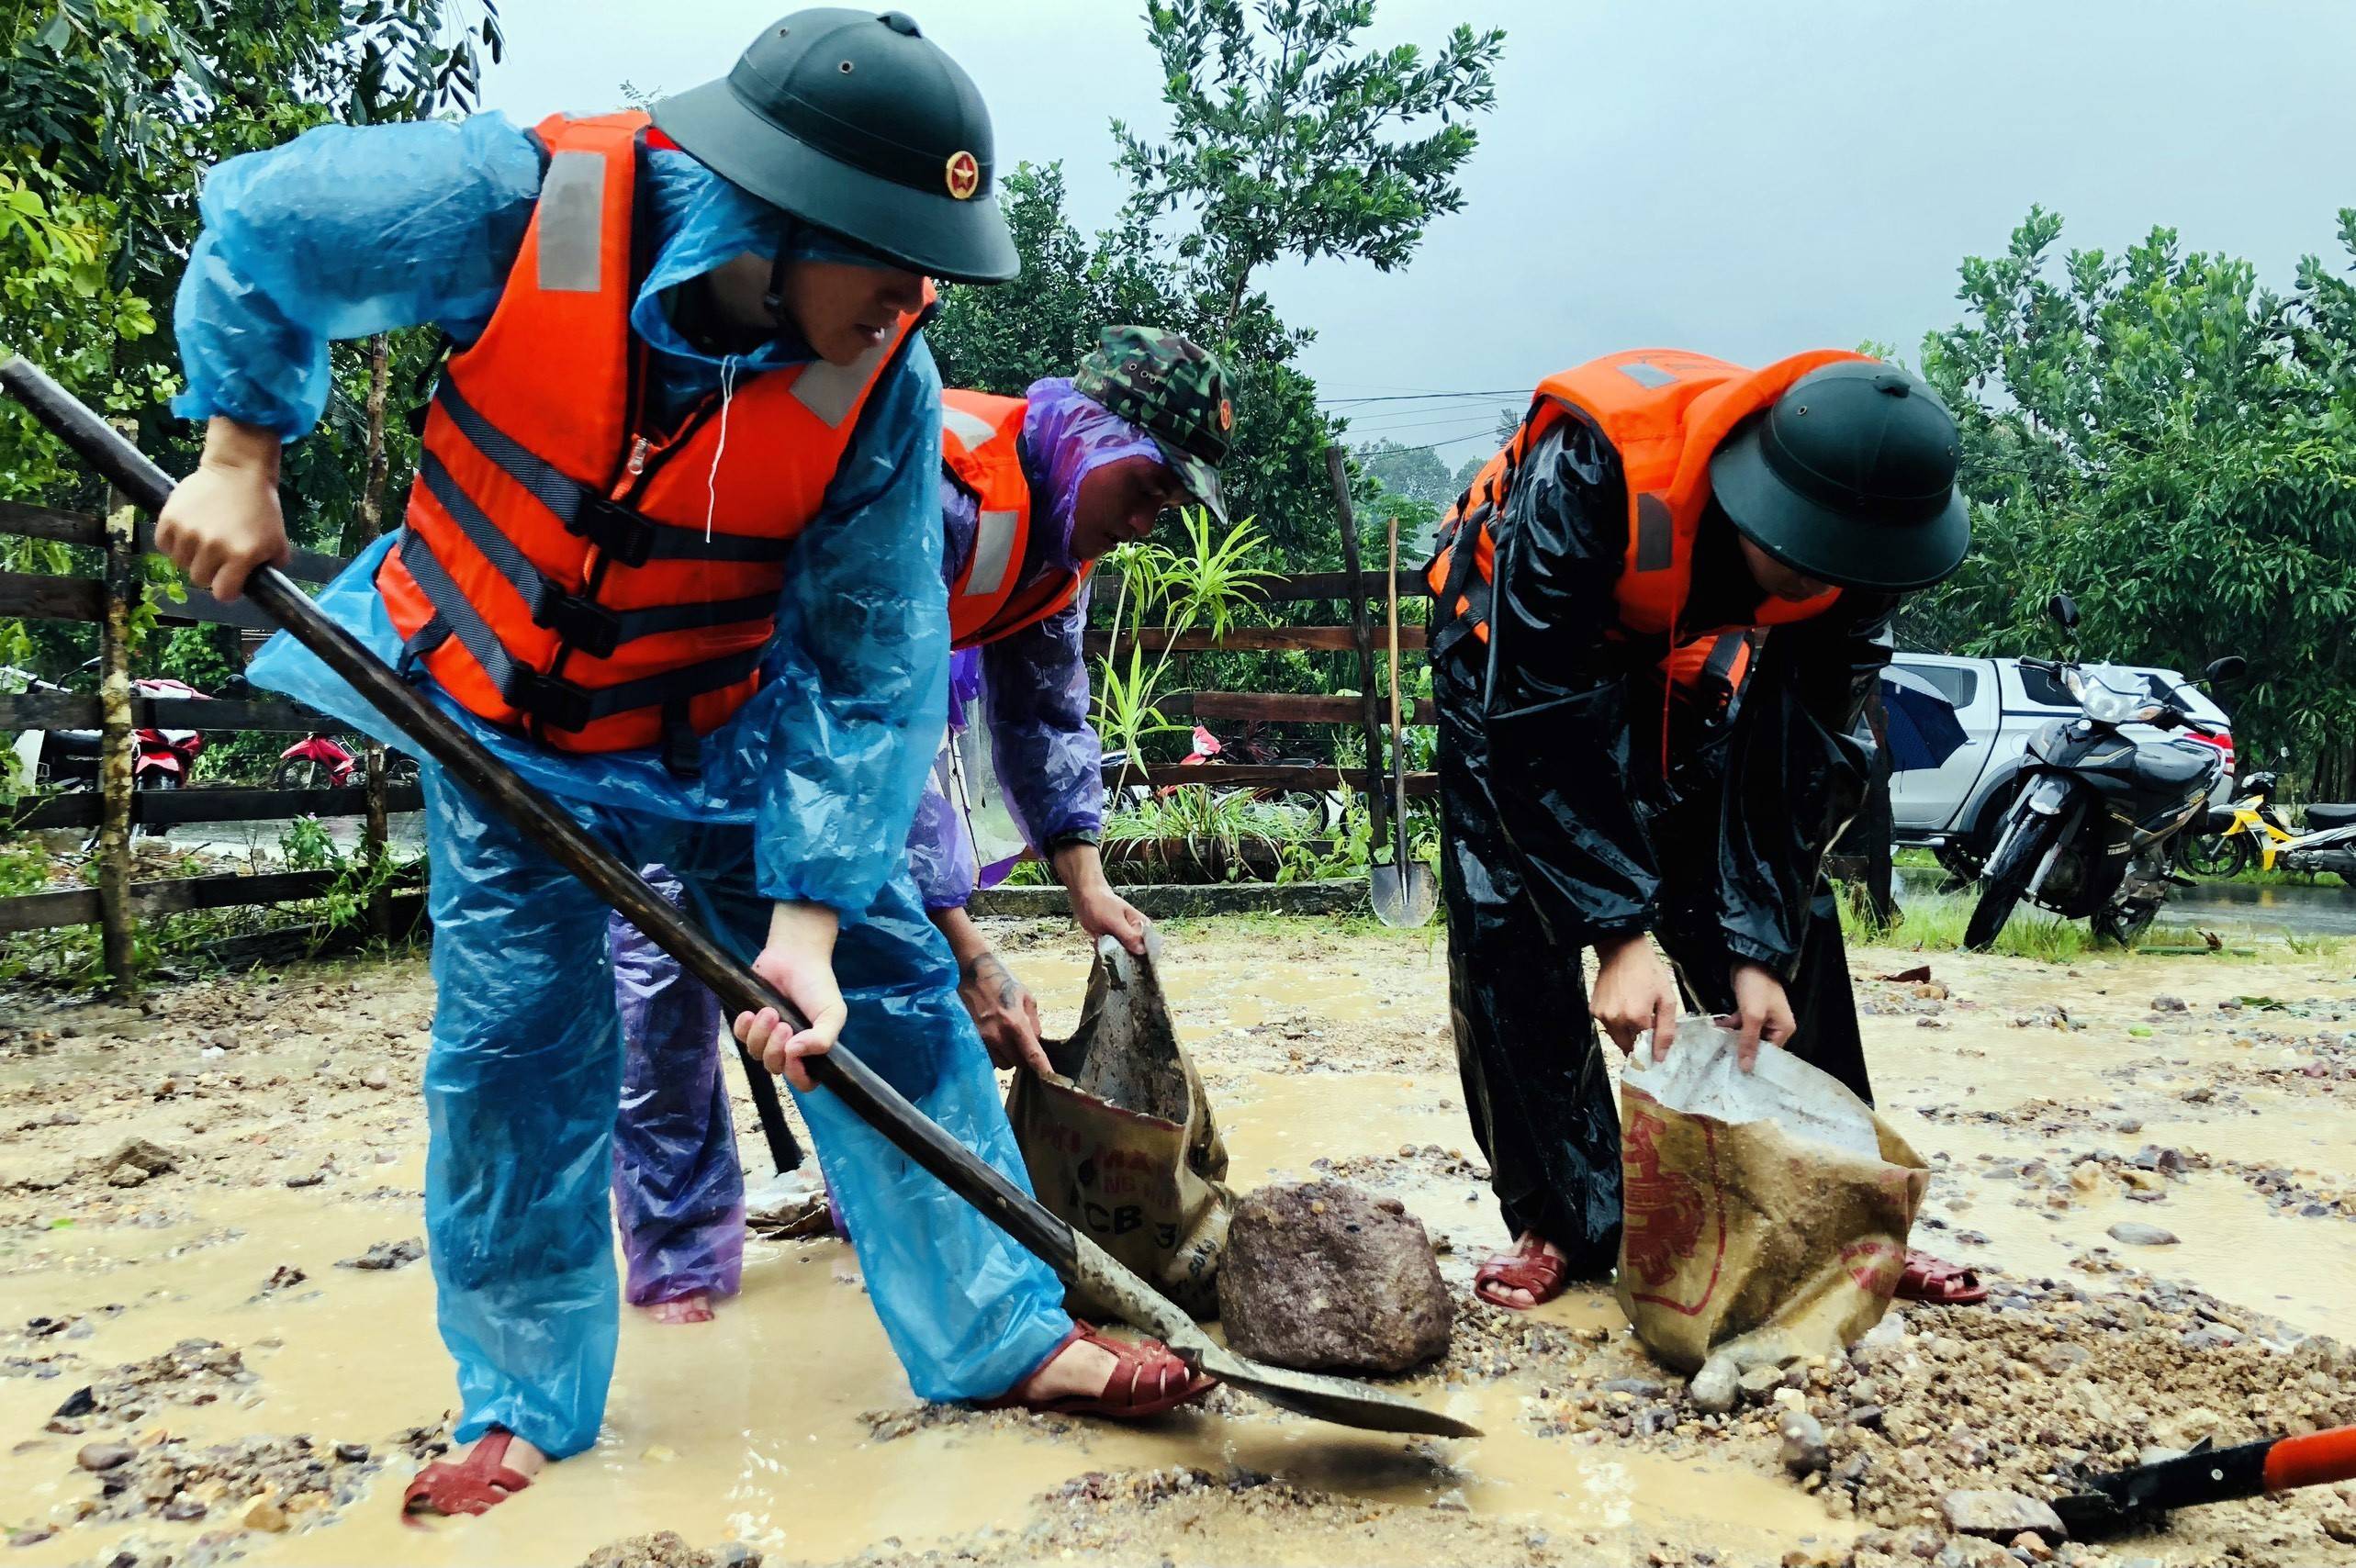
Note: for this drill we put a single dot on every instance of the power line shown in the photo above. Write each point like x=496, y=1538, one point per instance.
x=1421, y=398
x=1422, y=420
x=1487, y=433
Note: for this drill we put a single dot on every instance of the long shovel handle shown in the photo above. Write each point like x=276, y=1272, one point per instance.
x=441, y=737
x=1398, y=736
x=1337, y=471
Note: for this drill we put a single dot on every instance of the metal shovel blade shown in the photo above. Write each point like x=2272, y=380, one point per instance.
x=1337, y=1399
x=1404, y=894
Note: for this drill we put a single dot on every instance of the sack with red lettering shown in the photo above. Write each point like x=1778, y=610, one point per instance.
x=1767, y=1211
x=1121, y=1144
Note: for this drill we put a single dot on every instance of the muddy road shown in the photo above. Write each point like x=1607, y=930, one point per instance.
x=264, y=1375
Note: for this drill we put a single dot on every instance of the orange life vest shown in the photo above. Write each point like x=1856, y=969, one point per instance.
x=980, y=451
x=568, y=568
x=1665, y=411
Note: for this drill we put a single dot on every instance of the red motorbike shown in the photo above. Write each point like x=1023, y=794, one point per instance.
x=163, y=760
x=321, y=762
x=1315, y=807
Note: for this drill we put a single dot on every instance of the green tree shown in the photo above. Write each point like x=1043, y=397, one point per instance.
x=1411, y=473
x=110, y=112
x=1287, y=139
x=2175, y=445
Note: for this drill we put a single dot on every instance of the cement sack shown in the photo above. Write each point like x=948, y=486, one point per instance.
x=1121, y=1144
x=1767, y=1211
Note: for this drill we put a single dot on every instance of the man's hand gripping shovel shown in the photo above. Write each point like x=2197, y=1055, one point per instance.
x=1076, y=1259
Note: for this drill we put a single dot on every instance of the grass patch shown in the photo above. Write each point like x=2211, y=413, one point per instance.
x=2254, y=877
x=1934, y=922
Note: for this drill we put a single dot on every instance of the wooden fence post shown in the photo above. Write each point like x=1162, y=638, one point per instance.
x=116, y=921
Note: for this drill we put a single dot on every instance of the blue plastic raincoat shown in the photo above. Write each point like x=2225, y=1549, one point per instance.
x=805, y=792
x=678, y=1184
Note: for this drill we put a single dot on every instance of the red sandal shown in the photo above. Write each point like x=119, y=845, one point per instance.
x=693, y=1307
x=1529, y=1266
x=1939, y=1282
x=1146, y=1379
x=476, y=1484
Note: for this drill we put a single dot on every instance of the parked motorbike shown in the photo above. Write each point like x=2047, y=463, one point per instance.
x=163, y=760
x=323, y=762
x=2088, y=836
x=65, y=759
x=68, y=759
x=1313, y=807
x=2251, y=829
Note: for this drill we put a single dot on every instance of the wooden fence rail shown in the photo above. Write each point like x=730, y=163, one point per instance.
x=118, y=901
x=116, y=904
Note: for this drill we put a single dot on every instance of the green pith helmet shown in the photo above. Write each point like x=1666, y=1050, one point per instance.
x=856, y=123
x=1849, y=478
x=1177, y=392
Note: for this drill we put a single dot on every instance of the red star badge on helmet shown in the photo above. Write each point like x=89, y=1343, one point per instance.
x=964, y=175
x=1227, y=415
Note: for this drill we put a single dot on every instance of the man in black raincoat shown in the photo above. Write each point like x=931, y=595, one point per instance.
x=1661, y=608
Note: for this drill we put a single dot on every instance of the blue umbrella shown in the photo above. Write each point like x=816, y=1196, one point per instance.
x=1923, y=729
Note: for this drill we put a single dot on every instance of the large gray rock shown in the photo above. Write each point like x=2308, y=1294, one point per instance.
x=1998, y=1516
x=1323, y=1278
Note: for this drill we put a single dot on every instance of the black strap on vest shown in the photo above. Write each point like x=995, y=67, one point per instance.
x=558, y=703
x=630, y=537
x=591, y=627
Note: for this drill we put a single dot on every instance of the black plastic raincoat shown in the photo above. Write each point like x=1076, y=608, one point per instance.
x=1562, y=828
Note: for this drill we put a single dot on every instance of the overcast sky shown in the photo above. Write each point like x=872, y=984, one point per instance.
x=1739, y=176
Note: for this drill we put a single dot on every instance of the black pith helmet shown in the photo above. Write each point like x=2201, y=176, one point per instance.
x=1849, y=478
x=856, y=123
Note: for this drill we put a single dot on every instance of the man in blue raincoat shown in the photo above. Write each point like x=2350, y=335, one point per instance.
x=1033, y=490
x=673, y=554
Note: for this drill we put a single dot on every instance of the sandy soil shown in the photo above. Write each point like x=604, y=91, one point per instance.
x=202, y=1205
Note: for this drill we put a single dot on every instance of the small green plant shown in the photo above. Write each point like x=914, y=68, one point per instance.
x=1207, y=585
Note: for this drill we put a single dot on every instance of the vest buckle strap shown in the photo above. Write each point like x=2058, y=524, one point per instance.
x=555, y=702
x=584, y=623
x=624, y=535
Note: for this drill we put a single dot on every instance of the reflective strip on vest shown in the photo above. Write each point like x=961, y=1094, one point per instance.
x=572, y=214
x=993, y=552
x=970, y=430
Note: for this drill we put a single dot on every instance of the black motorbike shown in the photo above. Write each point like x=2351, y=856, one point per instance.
x=2089, y=834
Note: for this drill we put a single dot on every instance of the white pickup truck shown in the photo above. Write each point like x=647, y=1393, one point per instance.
x=1957, y=806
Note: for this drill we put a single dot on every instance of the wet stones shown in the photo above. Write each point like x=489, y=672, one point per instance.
x=2134, y=1233
x=667, y=1549
x=387, y=1255
x=1321, y=1277
x=2169, y=1004
x=1715, y=1387
x=1996, y=1515
x=1804, y=1450
x=136, y=1161
x=98, y=1457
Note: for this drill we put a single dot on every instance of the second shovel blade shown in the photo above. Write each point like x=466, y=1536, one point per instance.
x=1403, y=894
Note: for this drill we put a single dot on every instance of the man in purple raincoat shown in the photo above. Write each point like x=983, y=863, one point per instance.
x=1033, y=490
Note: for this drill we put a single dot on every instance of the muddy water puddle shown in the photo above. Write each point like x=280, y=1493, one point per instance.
x=753, y=1427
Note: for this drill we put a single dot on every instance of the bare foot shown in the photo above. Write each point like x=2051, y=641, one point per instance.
x=1079, y=1371
x=522, y=1457
x=1514, y=1294
x=693, y=1307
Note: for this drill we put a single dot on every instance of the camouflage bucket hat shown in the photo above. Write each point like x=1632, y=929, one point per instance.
x=1173, y=390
